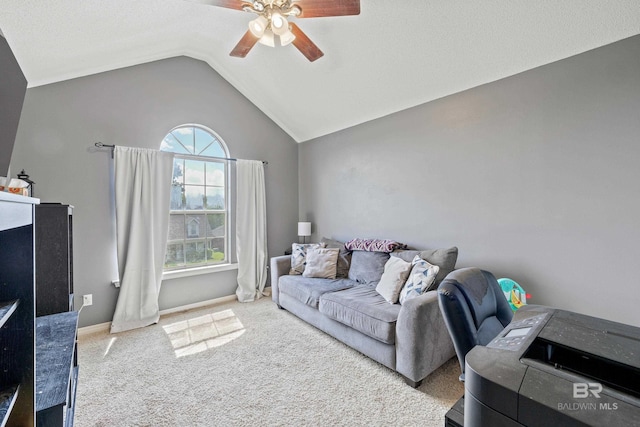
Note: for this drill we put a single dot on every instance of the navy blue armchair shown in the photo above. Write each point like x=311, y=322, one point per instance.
x=474, y=308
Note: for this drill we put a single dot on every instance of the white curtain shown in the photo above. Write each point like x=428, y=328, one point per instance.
x=251, y=230
x=142, y=191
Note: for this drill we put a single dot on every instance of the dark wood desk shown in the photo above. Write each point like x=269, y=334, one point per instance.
x=455, y=416
x=56, y=369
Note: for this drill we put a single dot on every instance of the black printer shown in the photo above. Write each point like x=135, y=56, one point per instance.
x=554, y=367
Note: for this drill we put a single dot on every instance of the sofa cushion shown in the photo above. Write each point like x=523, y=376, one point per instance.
x=344, y=258
x=321, y=263
x=367, y=267
x=364, y=310
x=443, y=258
x=308, y=290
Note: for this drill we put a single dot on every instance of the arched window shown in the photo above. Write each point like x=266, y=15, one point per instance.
x=198, y=225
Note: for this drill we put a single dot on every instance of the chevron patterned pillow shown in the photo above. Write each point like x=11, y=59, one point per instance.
x=422, y=275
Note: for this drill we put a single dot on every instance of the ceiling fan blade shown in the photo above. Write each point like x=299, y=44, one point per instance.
x=244, y=45
x=304, y=44
x=320, y=8
x=229, y=4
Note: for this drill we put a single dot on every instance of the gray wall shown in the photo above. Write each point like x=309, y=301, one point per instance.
x=136, y=107
x=534, y=177
x=13, y=87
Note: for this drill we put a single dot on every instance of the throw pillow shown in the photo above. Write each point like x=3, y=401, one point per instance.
x=367, y=267
x=321, y=262
x=394, y=276
x=299, y=256
x=374, y=245
x=344, y=258
x=422, y=275
x=443, y=258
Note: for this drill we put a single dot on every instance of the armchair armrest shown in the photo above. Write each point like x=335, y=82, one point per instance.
x=280, y=266
x=422, y=339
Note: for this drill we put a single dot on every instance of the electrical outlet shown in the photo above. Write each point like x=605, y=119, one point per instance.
x=87, y=300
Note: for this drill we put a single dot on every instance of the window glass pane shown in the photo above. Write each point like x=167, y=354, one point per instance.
x=177, y=198
x=194, y=197
x=194, y=172
x=175, y=255
x=203, y=140
x=215, y=173
x=185, y=137
x=214, y=150
x=215, y=250
x=176, y=227
x=199, y=185
x=216, y=225
x=195, y=252
x=178, y=171
x=170, y=143
x=196, y=226
x=215, y=198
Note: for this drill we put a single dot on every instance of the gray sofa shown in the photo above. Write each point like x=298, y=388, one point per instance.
x=411, y=339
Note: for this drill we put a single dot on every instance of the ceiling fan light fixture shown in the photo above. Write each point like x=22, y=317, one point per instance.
x=279, y=24
x=258, y=26
x=258, y=6
x=267, y=39
x=287, y=37
x=273, y=19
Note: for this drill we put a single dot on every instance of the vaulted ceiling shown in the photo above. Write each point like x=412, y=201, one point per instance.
x=394, y=55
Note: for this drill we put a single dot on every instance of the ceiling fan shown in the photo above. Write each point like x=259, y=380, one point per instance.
x=272, y=21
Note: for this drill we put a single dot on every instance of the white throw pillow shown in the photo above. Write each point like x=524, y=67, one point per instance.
x=322, y=263
x=299, y=256
x=393, y=278
x=422, y=275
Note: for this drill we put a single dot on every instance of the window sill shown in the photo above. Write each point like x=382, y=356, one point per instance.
x=197, y=271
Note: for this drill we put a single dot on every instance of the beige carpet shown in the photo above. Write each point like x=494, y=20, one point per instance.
x=247, y=365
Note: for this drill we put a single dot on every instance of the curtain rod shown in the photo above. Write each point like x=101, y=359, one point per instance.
x=101, y=145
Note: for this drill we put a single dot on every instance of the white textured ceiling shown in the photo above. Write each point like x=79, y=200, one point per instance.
x=394, y=55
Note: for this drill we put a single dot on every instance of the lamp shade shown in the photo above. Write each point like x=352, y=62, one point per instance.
x=267, y=39
x=304, y=229
x=258, y=26
x=287, y=38
x=279, y=24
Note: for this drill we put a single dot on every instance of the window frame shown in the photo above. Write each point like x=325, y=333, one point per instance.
x=188, y=269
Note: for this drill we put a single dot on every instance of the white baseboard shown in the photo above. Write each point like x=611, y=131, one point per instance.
x=101, y=327
x=200, y=304
x=92, y=329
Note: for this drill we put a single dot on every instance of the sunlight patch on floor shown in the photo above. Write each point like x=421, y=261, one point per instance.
x=111, y=342
x=203, y=333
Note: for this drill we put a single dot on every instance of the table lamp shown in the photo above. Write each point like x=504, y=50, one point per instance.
x=304, y=230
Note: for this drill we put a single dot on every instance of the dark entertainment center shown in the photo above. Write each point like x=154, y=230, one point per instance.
x=38, y=333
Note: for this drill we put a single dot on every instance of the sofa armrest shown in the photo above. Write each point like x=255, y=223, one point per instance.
x=422, y=340
x=280, y=266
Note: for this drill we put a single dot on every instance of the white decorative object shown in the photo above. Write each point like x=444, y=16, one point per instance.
x=304, y=230
x=395, y=275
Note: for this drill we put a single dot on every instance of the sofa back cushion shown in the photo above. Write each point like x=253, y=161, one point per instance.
x=444, y=258
x=367, y=267
x=344, y=257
